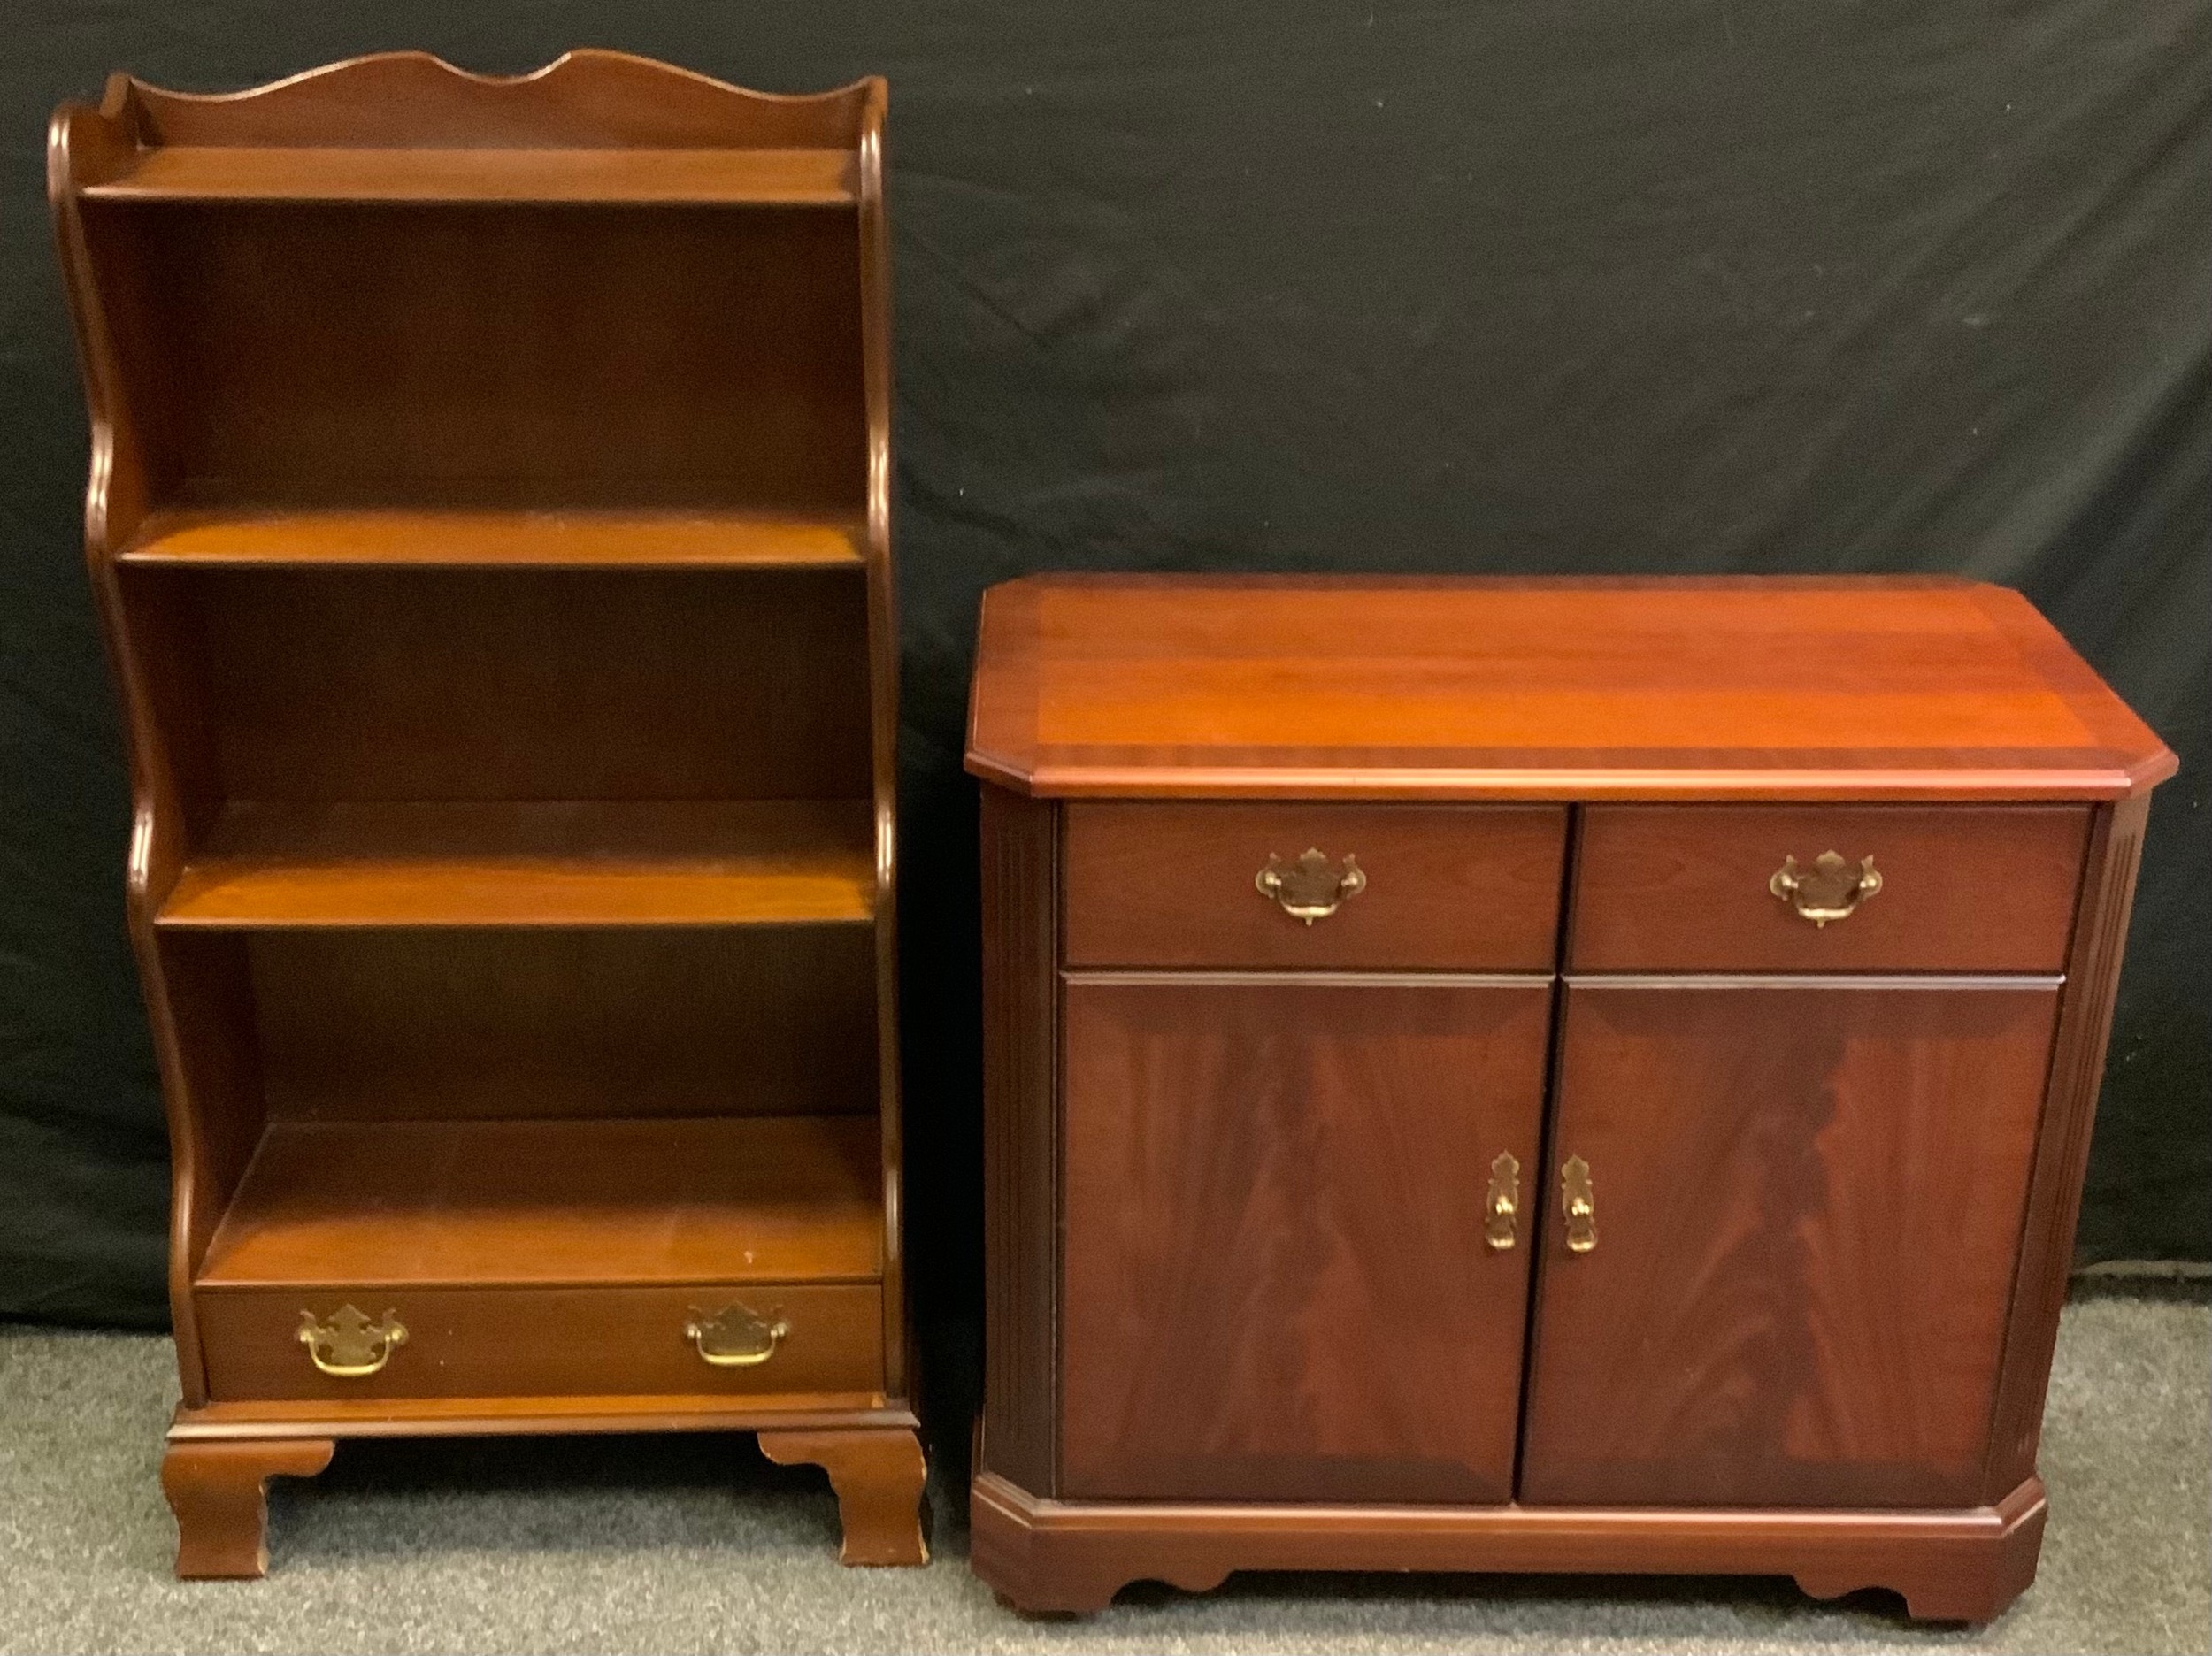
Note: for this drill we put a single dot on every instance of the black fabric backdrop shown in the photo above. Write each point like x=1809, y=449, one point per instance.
x=1530, y=285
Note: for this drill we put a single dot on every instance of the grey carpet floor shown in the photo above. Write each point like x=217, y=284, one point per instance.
x=697, y=1544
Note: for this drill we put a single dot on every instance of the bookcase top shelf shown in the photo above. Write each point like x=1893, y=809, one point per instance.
x=434, y=536
x=767, y=177
x=408, y=126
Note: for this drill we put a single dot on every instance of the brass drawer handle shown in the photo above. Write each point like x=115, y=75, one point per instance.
x=735, y=1338
x=1503, y=1203
x=1580, y=1205
x=1831, y=890
x=1309, y=889
x=350, y=1345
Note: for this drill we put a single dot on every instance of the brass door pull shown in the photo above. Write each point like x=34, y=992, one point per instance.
x=1580, y=1205
x=1503, y=1203
x=735, y=1338
x=1831, y=889
x=350, y=1345
x=1309, y=889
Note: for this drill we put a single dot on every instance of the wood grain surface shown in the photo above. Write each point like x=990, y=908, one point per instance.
x=877, y=1476
x=478, y=1203
x=1021, y=1136
x=534, y=862
x=2062, y=1152
x=232, y=172
x=1465, y=888
x=200, y=1009
x=451, y=1023
x=1684, y=889
x=433, y=537
x=512, y=684
x=219, y=1493
x=518, y=355
x=1444, y=687
x=1952, y=1565
x=1808, y=1200
x=866, y=101
x=587, y=98
x=520, y=1416
x=1833, y=1168
x=545, y=1342
x=1275, y=1280
x=490, y=517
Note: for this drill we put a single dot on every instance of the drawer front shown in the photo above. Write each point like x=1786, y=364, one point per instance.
x=1405, y=888
x=550, y=1342
x=1705, y=887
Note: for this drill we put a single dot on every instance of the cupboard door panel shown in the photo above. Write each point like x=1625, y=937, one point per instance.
x=1277, y=1282
x=1807, y=1199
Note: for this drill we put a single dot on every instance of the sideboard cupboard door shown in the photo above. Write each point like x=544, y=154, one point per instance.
x=1278, y=1285
x=1804, y=1204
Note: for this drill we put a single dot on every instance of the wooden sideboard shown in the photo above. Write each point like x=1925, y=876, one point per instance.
x=1535, y=1075
x=489, y=516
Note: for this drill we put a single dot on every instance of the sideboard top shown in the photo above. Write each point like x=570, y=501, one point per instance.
x=1441, y=687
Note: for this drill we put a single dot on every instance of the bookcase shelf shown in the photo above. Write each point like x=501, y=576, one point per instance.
x=765, y=177
x=490, y=518
x=661, y=863
x=431, y=537
x=489, y=1203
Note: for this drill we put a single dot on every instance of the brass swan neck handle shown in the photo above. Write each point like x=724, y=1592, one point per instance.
x=1578, y=1205
x=1502, y=1204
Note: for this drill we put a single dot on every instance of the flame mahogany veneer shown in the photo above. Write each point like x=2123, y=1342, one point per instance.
x=1789, y=1163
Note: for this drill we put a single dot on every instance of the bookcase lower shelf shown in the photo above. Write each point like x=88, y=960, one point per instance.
x=451, y=1277
x=582, y=1203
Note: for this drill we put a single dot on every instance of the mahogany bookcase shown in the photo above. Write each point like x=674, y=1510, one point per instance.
x=489, y=519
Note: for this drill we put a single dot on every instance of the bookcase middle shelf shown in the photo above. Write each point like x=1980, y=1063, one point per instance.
x=504, y=863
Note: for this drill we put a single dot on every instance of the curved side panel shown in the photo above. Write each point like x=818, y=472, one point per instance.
x=883, y=669
x=84, y=145
x=585, y=99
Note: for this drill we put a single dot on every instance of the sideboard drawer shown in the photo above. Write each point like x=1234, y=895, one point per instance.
x=550, y=1342
x=1743, y=888
x=1411, y=887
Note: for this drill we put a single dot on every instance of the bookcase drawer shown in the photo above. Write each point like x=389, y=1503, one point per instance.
x=407, y=1342
x=1906, y=888
x=1409, y=887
